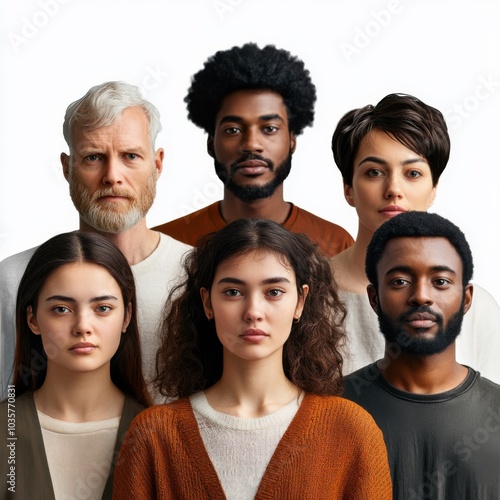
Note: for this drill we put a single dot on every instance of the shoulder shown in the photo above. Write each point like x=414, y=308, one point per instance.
x=330, y=237
x=159, y=418
x=12, y=268
x=170, y=245
x=191, y=227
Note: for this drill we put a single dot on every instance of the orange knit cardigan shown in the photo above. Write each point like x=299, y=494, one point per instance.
x=332, y=449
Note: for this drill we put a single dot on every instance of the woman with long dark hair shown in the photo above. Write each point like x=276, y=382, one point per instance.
x=77, y=379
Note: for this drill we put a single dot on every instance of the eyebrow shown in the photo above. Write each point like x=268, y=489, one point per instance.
x=63, y=298
x=409, y=270
x=239, y=119
x=381, y=161
x=267, y=281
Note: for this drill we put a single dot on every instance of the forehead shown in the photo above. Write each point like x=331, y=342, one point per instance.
x=256, y=264
x=131, y=125
x=79, y=276
x=419, y=255
x=252, y=103
x=379, y=143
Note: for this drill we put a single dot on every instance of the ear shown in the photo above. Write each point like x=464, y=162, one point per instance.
x=127, y=318
x=65, y=161
x=293, y=142
x=301, y=301
x=207, y=303
x=159, y=155
x=433, y=196
x=348, y=195
x=372, y=297
x=468, y=292
x=210, y=146
x=32, y=322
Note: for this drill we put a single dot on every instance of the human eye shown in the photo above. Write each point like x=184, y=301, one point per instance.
x=414, y=174
x=92, y=158
x=399, y=282
x=131, y=156
x=442, y=282
x=275, y=292
x=271, y=129
x=232, y=292
x=232, y=131
x=61, y=309
x=103, y=309
x=374, y=173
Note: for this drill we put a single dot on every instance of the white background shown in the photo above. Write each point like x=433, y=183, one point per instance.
x=446, y=52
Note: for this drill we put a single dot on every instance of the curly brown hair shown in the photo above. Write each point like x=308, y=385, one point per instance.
x=190, y=356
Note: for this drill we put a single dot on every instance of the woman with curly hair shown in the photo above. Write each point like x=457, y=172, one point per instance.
x=251, y=347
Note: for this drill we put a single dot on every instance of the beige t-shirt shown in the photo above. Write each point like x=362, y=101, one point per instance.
x=79, y=455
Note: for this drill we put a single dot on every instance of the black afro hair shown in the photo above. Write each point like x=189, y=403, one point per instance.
x=250, y=67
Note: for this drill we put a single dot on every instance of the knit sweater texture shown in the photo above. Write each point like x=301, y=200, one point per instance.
x=332, y=449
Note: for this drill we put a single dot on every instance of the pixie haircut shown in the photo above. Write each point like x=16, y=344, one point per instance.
x=250, y=67
x=30, y=365
x=415, y=224
x=103, y=104
x=190, y=358
x=411, y=122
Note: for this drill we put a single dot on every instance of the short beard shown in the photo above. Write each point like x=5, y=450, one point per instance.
x=422, y=346
x=252, y=193
x=108, y=217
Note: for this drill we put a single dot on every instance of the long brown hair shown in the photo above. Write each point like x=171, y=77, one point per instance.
x=190, y=357
x=30, y=364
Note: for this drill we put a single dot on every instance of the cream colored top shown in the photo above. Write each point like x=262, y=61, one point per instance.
x=79, y=455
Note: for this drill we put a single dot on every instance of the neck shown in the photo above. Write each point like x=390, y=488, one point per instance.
x=273, y=207
x=79, y=396
x=349, y=265
x=431, y=374
x=251, y=389
x=137, y=243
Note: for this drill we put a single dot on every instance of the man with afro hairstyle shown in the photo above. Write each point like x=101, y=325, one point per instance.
x=253, y=102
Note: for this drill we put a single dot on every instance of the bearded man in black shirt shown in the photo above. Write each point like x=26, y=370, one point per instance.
x=440, y=419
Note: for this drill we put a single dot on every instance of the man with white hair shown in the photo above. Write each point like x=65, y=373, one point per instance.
x=112, y=169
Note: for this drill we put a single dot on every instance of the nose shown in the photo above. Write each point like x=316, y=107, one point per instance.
x=82, y=325
x=393, y=189
x=113, y=172
x=253, y=310
x=421, y=294
x=251, y=141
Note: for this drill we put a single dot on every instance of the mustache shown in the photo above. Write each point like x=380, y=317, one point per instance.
x=251, y=156
x=112, y=192
x=421, y=310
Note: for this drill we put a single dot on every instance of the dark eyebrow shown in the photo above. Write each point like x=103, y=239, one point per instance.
x=409, y=270
x=63, y=298
x=267, y=281
x=239, y=119
x=380, y=161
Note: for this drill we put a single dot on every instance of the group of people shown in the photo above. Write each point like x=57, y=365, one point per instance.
x=250, y=349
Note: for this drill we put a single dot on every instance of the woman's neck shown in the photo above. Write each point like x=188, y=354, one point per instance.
x=79, y=396
x=251, y=389
x=349, y=265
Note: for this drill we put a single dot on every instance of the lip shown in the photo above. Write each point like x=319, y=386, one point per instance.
x=252, y=167
x=392, y=210
x=83, y=348
x=253, y=335
x=421, y=320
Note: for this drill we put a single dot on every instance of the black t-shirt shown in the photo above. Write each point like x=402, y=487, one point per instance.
x=440, y=446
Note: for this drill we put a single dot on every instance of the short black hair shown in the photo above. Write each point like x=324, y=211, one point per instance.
x=416, y=224
x=251, y=67
x=410, y=121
